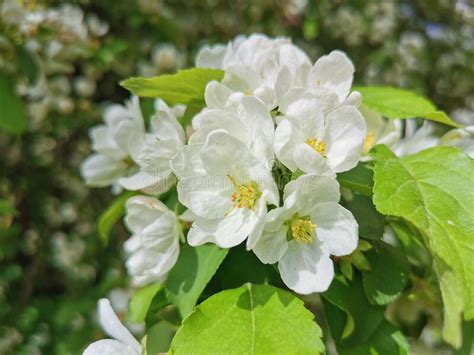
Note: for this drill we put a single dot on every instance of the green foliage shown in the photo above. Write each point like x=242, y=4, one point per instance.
x=395, y=103
x=388, y=275
x=431, y=190
x=358, y=179
x=13, y=114
x=252, y=319
x=27, y=63
x=192, y=272
x=112, y=214
x=185, y=87
x=141, y=301
x=371, y=223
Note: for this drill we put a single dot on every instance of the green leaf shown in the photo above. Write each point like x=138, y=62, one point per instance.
x=252, y=319
x=397, y=103
x=7, y=208
x=185, y=87
x=453, y=303
x=241, y=266
x=433, y=190
x=13, y=117
x=348, y=297
x=389, y=274
x=112, y=214
x=158, y=338
x=371, y=223
x=141, y=301
x=359, y=179
x=192, y=272
x=386, y=340
x=27, y=63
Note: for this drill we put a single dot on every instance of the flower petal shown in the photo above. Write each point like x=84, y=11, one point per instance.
x=271, y=246
x=309, y=161
x=336, y=228
x=110, y=347
x=306, y=268
x=113, y=327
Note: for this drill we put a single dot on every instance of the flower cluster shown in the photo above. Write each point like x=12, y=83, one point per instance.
x=274, y=117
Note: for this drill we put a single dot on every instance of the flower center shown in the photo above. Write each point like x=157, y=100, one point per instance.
x=128, y=161
x=368, y=143
x=245, y=195
x=302, y=229
x=318, y=145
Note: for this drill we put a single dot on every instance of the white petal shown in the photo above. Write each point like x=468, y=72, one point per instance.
x=110, y=347
x=345, y=136
x=139, y=181
x=207, y=196
x=211, y=57
x=309, y=161
x=103, y=141
x=113, y=327
x=187, y=162
x=336, y=228
x=312, y=189
x=143, y=211
x=334, y=71
x=216, y=94
x=271, y=246
x=354, y=99
x=225, y=232
x=286, y=138
x=306, y=268
x=99, y=170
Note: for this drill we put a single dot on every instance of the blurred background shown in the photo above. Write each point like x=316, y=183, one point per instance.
x=60, y=64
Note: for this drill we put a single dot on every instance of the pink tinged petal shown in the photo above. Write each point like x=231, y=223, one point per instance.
x=336, y=228
x=334, y=71
x=306, y=268
x=345, y=136
x=113, y=327
x=110, y=347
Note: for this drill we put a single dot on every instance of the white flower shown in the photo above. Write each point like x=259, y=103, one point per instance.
x=302, y=234
x=123, y=342
x=117, y=144
x=314, y=142
x=379, y=131
x=462, y=138
x=153, y=248
x=243, y=117
x=252, y=64
x=165, y=140
x=415, y=140
x=225, y=187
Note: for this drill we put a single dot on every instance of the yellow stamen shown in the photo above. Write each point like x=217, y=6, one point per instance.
x=245, y=195
x=318, y=145
x=302, y=229
x=368, y=143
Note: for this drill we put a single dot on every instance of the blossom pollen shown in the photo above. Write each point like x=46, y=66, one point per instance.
x=246, y=195
x=318, y=145
x=302, y=230
x=368, y=142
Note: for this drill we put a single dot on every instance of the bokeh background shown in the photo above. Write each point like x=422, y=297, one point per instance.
x=64, y=59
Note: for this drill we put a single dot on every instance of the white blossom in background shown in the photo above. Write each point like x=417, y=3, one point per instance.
x=416, y=139
x=303, y=233
x=225, y=187
x=379, y=131
x=116, y=145
x=314, y=142
x=122, y=342
x=153, y=248
x=462, y=138
x=165, y=139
